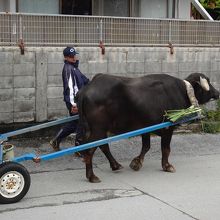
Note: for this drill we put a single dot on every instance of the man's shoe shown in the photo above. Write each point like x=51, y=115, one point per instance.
x=55, y=145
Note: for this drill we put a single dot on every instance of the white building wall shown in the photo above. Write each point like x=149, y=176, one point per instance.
x=183, y=11
x=39, y=6
x=2, y=6
x=153, y=9
x=8, y=6
x=163, y=9
x=147, y=8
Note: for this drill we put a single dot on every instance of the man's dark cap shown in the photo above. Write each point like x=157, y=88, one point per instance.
x=69, y=52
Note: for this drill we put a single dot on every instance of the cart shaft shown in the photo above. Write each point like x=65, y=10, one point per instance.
x=97, y=143
x=4, y=137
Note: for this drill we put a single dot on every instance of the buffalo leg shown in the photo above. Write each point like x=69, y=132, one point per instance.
x=113, y=163
x=97, y=134
x=165, y=148
x=88, y=155
x=137, y=162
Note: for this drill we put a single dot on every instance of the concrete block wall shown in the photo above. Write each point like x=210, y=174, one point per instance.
x=31, y=84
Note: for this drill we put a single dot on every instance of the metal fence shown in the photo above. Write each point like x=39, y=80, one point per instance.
x=60, y=30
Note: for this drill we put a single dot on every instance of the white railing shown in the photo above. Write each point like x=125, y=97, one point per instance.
x=60, y=30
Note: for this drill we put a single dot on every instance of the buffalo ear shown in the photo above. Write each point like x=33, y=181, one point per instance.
x=204, y=83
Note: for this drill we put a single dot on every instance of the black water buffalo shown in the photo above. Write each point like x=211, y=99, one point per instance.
x=113, y=104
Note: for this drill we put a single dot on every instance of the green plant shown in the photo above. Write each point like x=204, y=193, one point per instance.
x=210, y=127
x=176, y=115
x=211, y=121
x=206, y=3
x=218, y=105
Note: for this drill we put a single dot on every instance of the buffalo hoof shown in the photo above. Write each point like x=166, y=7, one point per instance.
x=169, y=168
x=94, y=179
x=117, y=167
x=136, y=164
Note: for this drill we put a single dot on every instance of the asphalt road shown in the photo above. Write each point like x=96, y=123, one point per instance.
x=59, y=189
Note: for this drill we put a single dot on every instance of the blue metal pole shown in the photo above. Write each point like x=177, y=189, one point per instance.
x=1, y=153
x=4, y=137
x=25, y=157
x=86, y=146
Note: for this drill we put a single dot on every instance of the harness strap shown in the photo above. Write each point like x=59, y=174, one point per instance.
x=191, y=94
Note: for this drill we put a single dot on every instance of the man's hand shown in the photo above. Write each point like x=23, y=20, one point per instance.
x=74, y=109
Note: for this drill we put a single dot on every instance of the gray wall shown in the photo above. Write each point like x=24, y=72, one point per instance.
x=31, y=84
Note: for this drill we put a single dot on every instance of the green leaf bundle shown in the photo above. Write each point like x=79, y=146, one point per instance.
x=176, y=115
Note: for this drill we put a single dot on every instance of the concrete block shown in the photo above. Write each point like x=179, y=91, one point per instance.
x=201, y=56
x=135, y=67
x=94, y=53
x=117, y=56
x=6, y=106
x=84, y=68
x=24, y=93
x=133, y=75
x=6, y=94
x=135, y=56
x=214, y=54
x=6, y=69
x=6, y=82
x=117, y=68
x=24, y=105
x=6, y=57
x=55, y=69
x=183, y=75
x=183, y=55
x=55, y=57
x=56, y=103
x=194, y=66
x=24, y=69
x=57, y=113
x=28, y=57
x=156, y=55
x=153, y=67
x=55, y=92
x=215, y=77
x=97, y=67
x=55, y=81
x=83, y=57
x=215, y=65
x=169, y=67
x=24, y=82
x=6, y=118
x=24, y=116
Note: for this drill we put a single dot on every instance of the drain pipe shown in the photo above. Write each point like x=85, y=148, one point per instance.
x=101, y=44
x=21, y=41
x=202, y=10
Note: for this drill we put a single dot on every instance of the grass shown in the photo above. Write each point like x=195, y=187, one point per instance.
x=211, y=122
x=178, y=115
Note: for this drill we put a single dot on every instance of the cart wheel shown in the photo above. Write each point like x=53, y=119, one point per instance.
x=14, y=182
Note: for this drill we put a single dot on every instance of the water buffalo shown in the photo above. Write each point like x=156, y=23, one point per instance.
x=113, y=104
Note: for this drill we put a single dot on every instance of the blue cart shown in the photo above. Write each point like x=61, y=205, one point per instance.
x=15, y=179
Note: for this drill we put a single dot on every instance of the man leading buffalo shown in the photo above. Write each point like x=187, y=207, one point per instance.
x=73, y=81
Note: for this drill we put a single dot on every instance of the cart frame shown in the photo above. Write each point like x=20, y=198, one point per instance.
x=14, y=177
